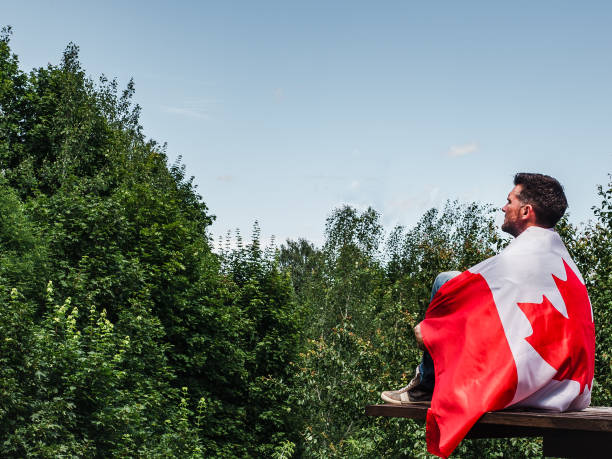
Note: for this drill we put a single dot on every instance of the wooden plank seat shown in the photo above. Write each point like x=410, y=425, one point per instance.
x=586, y=433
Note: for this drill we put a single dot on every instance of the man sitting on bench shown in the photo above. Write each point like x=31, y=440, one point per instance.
x=515, y=330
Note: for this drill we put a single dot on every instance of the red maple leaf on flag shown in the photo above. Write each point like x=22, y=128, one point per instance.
x=566, y=343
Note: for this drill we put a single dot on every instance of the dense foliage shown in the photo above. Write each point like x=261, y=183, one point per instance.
x=124, y=334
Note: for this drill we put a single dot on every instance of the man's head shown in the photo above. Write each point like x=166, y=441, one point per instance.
x=535, y=200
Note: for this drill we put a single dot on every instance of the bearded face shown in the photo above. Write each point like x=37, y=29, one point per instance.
x=512, y=210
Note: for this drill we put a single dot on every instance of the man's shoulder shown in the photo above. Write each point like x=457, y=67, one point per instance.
x=535, y=252
x=535, y=241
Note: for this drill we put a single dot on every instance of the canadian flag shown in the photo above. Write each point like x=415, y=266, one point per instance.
x=514, y=330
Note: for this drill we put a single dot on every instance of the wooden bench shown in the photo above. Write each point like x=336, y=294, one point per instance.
x=586, y=433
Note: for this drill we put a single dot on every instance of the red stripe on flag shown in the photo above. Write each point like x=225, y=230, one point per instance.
x=475, y=369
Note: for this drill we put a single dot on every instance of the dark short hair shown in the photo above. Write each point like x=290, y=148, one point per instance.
x=545, y=194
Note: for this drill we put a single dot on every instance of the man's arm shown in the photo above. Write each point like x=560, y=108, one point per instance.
x=418, y=336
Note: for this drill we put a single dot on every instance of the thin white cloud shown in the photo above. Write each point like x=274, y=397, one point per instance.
x=225, y=178
x=462, y=150
x=341, y=178
x=198, y=108
x=279, y=94
x=191, y=113
x=423, y=200
x=355, y=185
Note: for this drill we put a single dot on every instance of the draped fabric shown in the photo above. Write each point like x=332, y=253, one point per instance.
x=514, y=330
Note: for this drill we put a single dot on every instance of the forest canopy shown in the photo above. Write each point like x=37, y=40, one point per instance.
x=124, y=334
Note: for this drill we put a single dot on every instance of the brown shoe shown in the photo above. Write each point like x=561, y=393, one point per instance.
x=412, y=393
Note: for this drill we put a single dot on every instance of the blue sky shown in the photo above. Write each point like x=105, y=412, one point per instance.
x=284, y=110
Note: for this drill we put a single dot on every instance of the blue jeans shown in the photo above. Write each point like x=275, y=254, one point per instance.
x=426, y=368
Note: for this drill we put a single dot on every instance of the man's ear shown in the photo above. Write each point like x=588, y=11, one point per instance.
x=528, y=212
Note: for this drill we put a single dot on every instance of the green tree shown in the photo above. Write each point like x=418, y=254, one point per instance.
x=591, y=248
x=94, y=207
x=270, y=337
x=599, y=284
